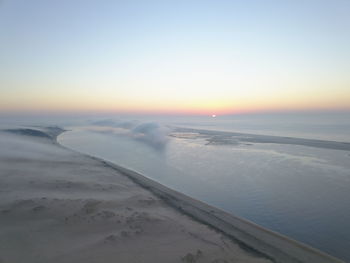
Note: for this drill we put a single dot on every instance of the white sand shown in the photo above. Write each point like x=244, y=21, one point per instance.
x=61, y=206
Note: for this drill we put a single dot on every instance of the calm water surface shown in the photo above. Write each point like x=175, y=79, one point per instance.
x=299, y=191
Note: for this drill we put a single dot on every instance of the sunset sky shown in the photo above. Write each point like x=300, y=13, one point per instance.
x=179, y=56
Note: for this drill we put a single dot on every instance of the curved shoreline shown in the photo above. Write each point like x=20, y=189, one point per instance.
x=250, y=236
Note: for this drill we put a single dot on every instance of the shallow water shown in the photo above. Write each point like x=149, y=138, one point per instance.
x=302, y=192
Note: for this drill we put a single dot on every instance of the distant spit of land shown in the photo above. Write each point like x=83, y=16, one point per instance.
x=223, y=137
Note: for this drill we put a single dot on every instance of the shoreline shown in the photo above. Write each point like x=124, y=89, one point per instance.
x=249, y=235
x=61, y=206
x=97, y=185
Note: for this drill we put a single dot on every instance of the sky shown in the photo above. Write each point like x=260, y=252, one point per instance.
x=191, y=57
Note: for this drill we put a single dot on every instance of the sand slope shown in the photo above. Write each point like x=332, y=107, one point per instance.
x=61, y=206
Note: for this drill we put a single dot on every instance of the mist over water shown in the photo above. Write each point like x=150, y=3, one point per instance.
x=299, y=191
x=151, y=133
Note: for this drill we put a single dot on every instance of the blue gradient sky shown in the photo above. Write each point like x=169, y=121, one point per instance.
x=174, y=56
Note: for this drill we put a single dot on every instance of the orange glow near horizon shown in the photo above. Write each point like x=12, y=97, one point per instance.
x=205, y=94
x=243, y=58
x=195, y=107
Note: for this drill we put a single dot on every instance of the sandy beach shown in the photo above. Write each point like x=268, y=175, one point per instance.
x=57, y=205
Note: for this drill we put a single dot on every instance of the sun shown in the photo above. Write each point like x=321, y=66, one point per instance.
x=213, y=115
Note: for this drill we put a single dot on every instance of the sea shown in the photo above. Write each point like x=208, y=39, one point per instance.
x=257, y=167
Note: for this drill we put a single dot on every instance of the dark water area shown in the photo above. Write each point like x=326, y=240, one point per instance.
x=300, y=191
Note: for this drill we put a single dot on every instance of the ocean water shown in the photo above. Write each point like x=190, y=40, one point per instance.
x=299, y=191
